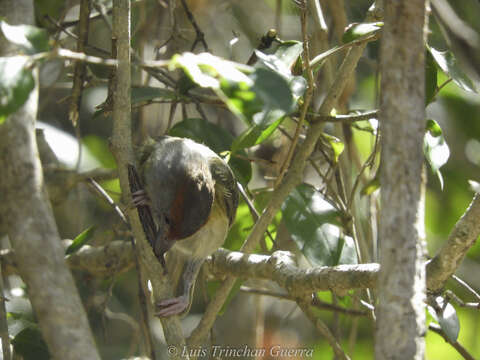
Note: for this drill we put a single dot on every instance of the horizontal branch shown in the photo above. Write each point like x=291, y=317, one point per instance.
x=117, y=256
x=90, y=59
x=313, y=118
x=280, y=267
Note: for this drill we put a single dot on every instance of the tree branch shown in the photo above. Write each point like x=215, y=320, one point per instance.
x=27, y=217
x=149, y=267
x=460, y=240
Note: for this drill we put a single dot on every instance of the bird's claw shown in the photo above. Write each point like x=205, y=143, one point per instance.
x=170, y=307
x=140, y=198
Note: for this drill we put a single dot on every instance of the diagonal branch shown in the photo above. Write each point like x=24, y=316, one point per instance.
x=290, y=181
x=460, y=240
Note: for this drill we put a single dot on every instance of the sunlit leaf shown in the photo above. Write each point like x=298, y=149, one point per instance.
x=336, y=145
x=16, y=83
x=449, y=65
x=80, y=240
x=207, y=70
x=30, y=38
x=358, y=30
x=288, y=52
x=433, y=128
x=313, y=224
x=98, y=148
x=371, y=186
x=282, y=60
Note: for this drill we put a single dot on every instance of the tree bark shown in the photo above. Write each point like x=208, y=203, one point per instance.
x=27, y=218
x=401, y=285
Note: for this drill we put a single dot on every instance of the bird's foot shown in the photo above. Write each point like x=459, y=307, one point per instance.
x=140, y=198
x=173, y=306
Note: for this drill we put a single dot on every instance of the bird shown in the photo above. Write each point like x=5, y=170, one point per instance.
x=192, y=196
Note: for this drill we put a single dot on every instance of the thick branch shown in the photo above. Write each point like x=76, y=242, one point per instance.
x=462, y=238
x=401, y=283
x=27, y=217
x=122, y=148
x=280, y=267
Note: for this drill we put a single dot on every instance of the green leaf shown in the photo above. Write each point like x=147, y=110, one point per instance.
x=433, y=128
x=216, y=138
x=358, y=30
x=335, y=144
x=371, y=186
x=147, y=93
x=16, y=83
x=270, y=129
x=430, y=78
x=448, y=63
x=288, y=52
x=207, y=70
x=312, y=223
x=272, y=89
x=240, y=228
x=447, y=318
x=100, y=150
x=260, y=132
x=250, y=93
x=32, y=39
x=80, y=240
x=282, y=59
x=436, y=151
x=30, y=345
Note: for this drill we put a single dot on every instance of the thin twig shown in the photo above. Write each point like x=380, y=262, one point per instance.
x=79, y=75
x=451, y=295
x=108, y=199
x=456, y=345
x=171, y=115
x=3, y=321
x=74, y=36
x=437, y=90
x=466, y=286
x=308, y=94
x=323, y=329
x=319, y=59
x=200, y=36
x=313, y=118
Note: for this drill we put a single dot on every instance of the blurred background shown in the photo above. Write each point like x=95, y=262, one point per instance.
x=232, y=30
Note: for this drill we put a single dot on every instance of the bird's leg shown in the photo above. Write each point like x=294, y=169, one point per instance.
x=181, y=304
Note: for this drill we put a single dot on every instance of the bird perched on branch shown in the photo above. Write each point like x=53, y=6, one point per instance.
x=192, y=196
